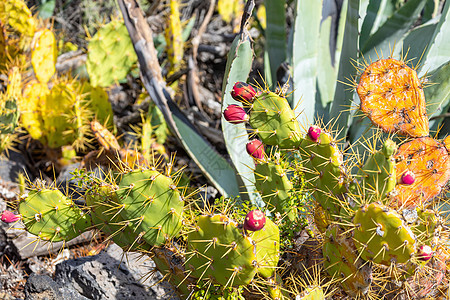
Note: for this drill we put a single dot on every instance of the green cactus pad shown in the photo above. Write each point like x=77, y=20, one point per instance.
x=426, y=226
x=152, y=204
x=105, y=214
x=59, y=114
x=274, y=121
x=98, y=102
x=221, y=252
x=381, y=235
x=52, y=216
x=378, y=174
x=276, y=189
x=110, y=54
x=9, y=115
x=324, y=171
x=312, y=293
x=267, y=245
x=342, y=261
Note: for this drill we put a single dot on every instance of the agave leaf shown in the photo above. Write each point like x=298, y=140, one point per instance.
x=376, y=14
x=304, y=58
x=416, y=42
x=326, y=73
x=438, y=94
x=340, y=108
x=437, y=53
x=238, y=67
x=275, y=51
x=393, y=30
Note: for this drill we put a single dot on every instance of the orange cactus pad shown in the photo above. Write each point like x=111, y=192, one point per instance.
x=429, y=160
x=392, y=97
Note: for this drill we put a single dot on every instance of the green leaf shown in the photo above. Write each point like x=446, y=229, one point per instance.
x=416, y=42
x=326, y=73
x=238, y=67
x=437, y=53
x=46, y=9
x=275, y=50
x=438, y=94
x=304, y=58
x=213, y=165
x=393, y=30
x=376, y=14
x=343, y=96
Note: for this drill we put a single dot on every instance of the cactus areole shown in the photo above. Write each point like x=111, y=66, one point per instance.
x=243, y=92
x=235, y=114
x=255, y=220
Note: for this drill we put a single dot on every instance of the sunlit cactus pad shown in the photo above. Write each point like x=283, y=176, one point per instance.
x=342, y=261
x=152, y=203
x=221, y=252
x=52, y=216
x=429, y=160
x=110, y=54
x=274, y=121
x=381, y=235
x=18, y=16
x=44, y=54
x=392, y=97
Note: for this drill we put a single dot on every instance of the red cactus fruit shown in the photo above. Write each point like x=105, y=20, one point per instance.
x=425, y=253
x=314, y=133
x=9, y=217
x=255, y=148
x=255, y=220
x=235, y=114
x=243, y=92
x=408, y=178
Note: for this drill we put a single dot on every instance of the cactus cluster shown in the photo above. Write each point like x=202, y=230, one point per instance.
x=385, y=215
x=373, y=218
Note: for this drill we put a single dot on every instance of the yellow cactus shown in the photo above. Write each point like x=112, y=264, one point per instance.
x=30, y=105
x=173, y=37
x=14, y=87
x=44, y=54
x=16, y=14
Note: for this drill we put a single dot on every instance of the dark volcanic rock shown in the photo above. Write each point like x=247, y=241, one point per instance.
x=42, y=287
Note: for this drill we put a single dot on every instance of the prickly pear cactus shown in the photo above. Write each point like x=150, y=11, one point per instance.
x=392, y=97
x=104, y=209
x=379, y=172
x=9, y=115
x=18, y=16
x=31, y=106
x=267, y=248
x=110, y=54
x=220, y=252
x=276, y=189
x=382, y=236
x=44, y=53
x=52, y=216
x=152, y=203
x=174, y=40
x=324, y=170
x=342, y=261
x=273, y=120
x=429, y=161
